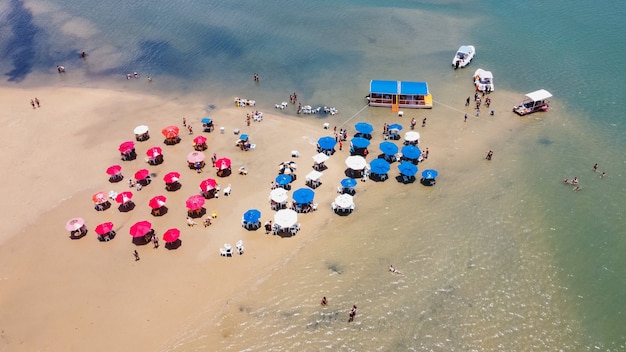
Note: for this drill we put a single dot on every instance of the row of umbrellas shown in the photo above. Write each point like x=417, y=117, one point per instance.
x=138, y=229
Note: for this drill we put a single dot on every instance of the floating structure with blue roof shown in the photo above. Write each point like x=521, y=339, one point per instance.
x=400, y=94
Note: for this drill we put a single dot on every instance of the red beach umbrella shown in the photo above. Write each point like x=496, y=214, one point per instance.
x=222, y=163
x=199, y=140
x=171, y=177
x=195, y=202
x=195, y=157
x=104, y=228
x=140, y=228
x=114, y=170
x=171, y=131
x=141, y=174
x=74, y=224
x=127, y=146
x=208, y=185
x=124, y=197
x=157, y=202
x=154, y=152
x=99, y=198
x=171, y=235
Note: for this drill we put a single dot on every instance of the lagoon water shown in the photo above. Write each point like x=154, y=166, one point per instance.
x=494, y=259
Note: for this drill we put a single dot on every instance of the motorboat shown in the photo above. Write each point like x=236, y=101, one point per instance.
x=483, y=80
x=533, y=102
x=463, y=56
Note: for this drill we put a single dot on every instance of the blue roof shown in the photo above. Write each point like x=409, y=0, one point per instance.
x=399, y=87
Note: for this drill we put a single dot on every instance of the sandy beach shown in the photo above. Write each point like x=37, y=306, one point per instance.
x=63, y=294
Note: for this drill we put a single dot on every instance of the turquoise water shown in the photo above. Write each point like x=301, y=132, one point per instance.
x=328, y=51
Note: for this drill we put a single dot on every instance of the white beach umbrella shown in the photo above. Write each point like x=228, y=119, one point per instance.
x=314, y=175
x=344, y=201
x=141, y=129
x=411, y=136
x=279, y=195
x=286, y=218
x=356, y=162
x=320, y=158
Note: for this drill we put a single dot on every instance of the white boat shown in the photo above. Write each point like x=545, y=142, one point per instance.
x=483, y=80
x=463, y=56
x=533, y=102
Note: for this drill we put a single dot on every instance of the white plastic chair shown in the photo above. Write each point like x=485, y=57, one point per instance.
x=223, y=252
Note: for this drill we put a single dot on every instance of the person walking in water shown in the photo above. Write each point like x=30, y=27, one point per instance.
x=352, y=314
x=489, y=155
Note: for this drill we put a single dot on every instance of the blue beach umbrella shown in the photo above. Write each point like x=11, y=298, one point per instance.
x=379, y=166
x=252, y=215
x=303, y=195
x=430, y=174
x=359, y=142
x=411, y=152
x=327, y=142
x=206, y=120
x=388, y=148
x=407, y=168
x=364, y=127
x=394, y=126
x=244, y=137
x=284, y=179
x=348, y=182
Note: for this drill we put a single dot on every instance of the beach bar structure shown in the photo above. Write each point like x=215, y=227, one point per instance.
x=400, y=94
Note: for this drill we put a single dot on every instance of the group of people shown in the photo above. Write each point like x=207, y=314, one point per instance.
x=574, y=181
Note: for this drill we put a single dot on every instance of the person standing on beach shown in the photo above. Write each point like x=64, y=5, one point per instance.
x=340, y=145
x=424, y=122
x=465, y=118
x=136, y=254
x=467, y=101
x=489, y=155
x=155, y=241
x=37, y=102
x=32, y=103
x=184, y=122
x=324, y=301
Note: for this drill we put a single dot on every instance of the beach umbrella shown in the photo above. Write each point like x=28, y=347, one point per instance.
x=206, y=120
x=140, y=229
x=157, y=201
x=74, y=224
x=303, y=195
x=124, y=197
x=430, y=174
x=222, y=163
x=142, y=174
x=285, y=218
x=195, y=157
x=356, y=162
x=284, y=179
x=411, y=136
x=199, y=140
x=320, y=158
x=141, y=129
x=411, y=152
x=407, y=168
x=171, y=177
x=171, y=131
x=327, y=142
x=388, y=148
x=154, y=152
x=195, y=202
x=252, y=215
x=379, y=166
x=344, y=201
x=114, y=170
x=287, y=166
x=394, y=128
x=208, y=184
x=104, y=228
x=348, y=182
x=100, y=198
x=244, y=137
x=171, y=235
x=278, y=195
x=360, y=142
x=364, y=127
x=126, y=147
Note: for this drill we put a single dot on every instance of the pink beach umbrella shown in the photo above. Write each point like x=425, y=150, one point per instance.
x=157, y=202
x=126, y=146
x=199, y=140
x=114, y=170
x=171, y=235
x=208, y=185
x=124, y=197
x=222, y=163
x=171, y=177
x=195, y=202
x=195, y=157
x=74, y=224
x=140, y=228
x=104, y=228
x=142, y=174
x=100, y=198
x=154, y=152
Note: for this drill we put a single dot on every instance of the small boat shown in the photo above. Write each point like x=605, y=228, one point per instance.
x=533, y=102
x=463, y=56
x=483, y=80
